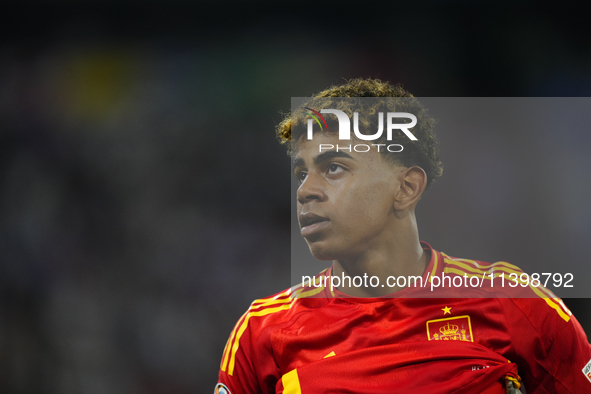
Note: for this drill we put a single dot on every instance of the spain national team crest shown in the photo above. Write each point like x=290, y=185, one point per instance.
x=450, y=329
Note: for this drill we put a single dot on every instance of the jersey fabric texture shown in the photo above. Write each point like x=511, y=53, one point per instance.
x=313, y=340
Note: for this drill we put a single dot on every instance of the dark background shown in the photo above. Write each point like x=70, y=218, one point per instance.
x=144, y=201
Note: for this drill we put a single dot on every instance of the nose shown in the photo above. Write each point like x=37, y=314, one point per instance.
x=310, y=190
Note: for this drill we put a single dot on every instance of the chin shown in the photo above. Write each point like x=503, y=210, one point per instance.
x=322, y=251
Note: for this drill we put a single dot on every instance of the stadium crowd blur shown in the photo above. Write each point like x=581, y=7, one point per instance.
x=144, y=201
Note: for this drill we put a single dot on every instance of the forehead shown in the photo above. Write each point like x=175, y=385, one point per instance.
x=360, y=151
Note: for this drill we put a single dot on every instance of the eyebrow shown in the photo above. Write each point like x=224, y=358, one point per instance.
x=331, y=154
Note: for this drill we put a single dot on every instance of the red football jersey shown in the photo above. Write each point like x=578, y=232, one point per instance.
x=318, y=340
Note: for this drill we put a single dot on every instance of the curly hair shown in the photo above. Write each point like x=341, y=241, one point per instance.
x=424, y=152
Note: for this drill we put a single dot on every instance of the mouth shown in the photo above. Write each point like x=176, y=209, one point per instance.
x=311, y=223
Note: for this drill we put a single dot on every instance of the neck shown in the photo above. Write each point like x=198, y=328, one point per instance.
x=397, y=253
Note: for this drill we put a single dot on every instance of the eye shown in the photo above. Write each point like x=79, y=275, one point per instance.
x=334, y=168
x=301, y=176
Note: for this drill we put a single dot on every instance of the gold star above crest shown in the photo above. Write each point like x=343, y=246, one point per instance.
x=446, y=310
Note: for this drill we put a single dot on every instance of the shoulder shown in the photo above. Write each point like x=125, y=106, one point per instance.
x=261, y=312
x=547, y=341
x=248, y=362
x=239, y=368
x=261, y=317
x=519, y=293
x=461, y=266
x=501, y=279
x=518, y=290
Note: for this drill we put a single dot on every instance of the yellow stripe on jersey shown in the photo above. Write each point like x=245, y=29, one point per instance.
x=255, y=304
x=539, y=290
x=291, y=382
x=484, y=269
x=228, y=345
x=461, y=273
x=496, y=268
x=233, y=342
x=552, y=301
x=269, y=303
x=243, y=328
x=302, y=291
x=268, y=299
x=309, y=293
x=295, y=290
x=434, y=271
x=559, y=300
x=480, y=264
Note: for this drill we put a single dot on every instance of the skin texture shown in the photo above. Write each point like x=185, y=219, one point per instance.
x=366, y=208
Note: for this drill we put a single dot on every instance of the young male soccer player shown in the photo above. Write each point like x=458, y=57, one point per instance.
x=357, y=209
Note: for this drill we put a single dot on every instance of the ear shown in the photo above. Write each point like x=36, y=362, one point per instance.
x=413, y=182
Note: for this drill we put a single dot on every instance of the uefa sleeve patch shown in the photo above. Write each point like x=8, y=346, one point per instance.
x=221, y=388
x=587, y=370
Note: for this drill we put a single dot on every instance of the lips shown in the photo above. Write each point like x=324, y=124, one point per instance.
x=311, y=223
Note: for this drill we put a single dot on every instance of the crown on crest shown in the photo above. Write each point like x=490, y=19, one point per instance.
x=448, y=329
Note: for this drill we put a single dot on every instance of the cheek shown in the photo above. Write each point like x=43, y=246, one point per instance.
x=366, y=199
x=377, y=195
x=363, y=206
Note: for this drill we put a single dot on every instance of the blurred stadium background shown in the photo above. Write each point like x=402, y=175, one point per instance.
x=144, y=201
